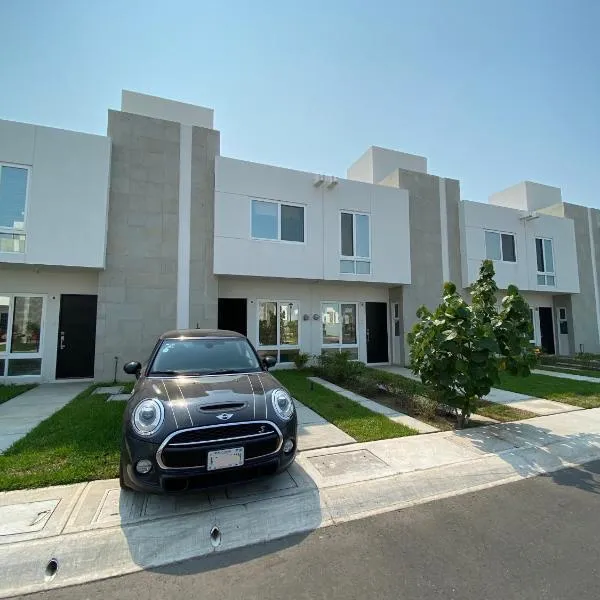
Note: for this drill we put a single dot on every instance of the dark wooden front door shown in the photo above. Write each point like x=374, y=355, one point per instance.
x=233, y=314
x=377, y=332
x=547, y=329
x=76, y=336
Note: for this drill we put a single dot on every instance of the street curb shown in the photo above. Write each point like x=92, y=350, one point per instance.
x=109, y=552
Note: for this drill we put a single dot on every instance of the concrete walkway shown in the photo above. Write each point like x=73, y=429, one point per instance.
x=538, y=406
x=375, y=407
x=96, y=531
x=572, y=376
x=26, y=411
x=316, y=432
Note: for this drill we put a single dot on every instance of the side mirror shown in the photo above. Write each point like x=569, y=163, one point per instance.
x=132, y=368
x=269, y=361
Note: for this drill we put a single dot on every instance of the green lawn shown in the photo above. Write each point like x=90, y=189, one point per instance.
x=585, y=372
x=585, y=394
x=356, y=420
x=80, y=442
x=7, y=392
x=502, y=412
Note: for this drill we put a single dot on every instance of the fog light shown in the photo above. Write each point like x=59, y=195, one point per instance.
x=143, y=466
x=288, y=446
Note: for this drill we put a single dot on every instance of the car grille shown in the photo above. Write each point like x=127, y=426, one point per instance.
x=189, y=448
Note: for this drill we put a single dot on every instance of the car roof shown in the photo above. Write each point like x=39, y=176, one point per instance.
x=199, y=333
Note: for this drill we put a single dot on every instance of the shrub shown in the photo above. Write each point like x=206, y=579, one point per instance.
x=338, y=367
x=301, y=360
x=364, y=385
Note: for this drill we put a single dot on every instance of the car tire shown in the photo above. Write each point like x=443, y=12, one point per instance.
x=122, y=482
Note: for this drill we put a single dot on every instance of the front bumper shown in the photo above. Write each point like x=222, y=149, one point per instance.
x=164, y=479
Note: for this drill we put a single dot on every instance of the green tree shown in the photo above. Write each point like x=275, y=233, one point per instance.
x=458, y=349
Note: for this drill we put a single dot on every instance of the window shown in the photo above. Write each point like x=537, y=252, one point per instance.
x=396, y=318
x=205, y=355
x=278, y=330
x=355, y=230
x=545, y=261
x=13, y=197
x=276, y=221
x=532, y=319
x=21, y=332
x=562, y=321
x=339, y=324
x=500, y=246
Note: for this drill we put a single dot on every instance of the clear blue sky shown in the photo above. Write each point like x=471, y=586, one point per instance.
x=491, y=91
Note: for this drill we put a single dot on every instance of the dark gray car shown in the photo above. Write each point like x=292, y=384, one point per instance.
x=204, y=411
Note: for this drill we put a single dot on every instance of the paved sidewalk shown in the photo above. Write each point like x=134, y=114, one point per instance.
x=538, y=406
x=373, y=406
x=24, y=412
x=572, y=376
x=316, y=432
x=96, y=531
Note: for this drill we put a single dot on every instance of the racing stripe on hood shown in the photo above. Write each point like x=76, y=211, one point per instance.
x=258, y=391
x=178, y=405
x=262, y=387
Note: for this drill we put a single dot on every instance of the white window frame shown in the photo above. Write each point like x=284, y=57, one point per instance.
x=12, y=230
x=395, y=318
x=7, y=354
x=545, y=273
x=279, y=203
x=500, y=234
x=354, y=257
x=278, y=347
x=341, y=346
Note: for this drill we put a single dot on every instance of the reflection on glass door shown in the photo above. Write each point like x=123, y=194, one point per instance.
x=339, y=322
x=21, y=319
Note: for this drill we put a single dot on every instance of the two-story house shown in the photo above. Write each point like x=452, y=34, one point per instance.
x=53, y=216
x=106, y=242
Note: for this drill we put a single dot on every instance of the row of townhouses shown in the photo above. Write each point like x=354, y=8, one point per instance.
x=108, y=241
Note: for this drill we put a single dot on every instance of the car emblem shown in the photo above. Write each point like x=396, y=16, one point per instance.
x=225, y=416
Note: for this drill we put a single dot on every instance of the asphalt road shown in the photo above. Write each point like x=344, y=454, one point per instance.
x=537, y=539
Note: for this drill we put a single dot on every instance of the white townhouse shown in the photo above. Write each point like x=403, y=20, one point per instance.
x=107, y=241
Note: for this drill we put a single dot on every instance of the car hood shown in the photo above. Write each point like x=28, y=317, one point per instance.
x=209, y=400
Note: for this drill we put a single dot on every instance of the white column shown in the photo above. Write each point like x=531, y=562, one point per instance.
x=184, y=237
x=444, y=231
x=594, y=271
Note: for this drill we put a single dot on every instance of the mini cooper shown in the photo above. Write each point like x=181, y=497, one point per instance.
x=204, y=411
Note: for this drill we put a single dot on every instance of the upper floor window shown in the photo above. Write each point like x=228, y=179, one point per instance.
x=500, y=246
x=13, y=196
x=545, y=261
x=355, y=243
x=277, y=221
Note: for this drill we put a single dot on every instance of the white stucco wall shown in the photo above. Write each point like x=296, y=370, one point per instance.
x=377, y=163
x=478, y=217
x=51, y=283
x=309, y=297
x=527, y=195
x=67, y=198
x=236, y=253
x=168, y=110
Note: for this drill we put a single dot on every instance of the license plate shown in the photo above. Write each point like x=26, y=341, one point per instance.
x=225, y=459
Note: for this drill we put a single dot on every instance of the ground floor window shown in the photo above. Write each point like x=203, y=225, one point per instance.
x=339, y=321
x=21, y=319
x=278, y=331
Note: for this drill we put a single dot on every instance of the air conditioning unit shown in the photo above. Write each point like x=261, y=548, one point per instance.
x=530, y=216
x=332, y=181
x=318, y=180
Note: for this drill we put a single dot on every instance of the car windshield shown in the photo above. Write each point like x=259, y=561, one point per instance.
x=204, y=356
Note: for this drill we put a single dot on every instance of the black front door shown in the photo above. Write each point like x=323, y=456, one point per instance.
x=233, y=315
x=76, y=336
x=377, y=332
x=547, y=329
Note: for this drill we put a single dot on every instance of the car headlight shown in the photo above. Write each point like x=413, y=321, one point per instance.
x=282, y=404
x=148, y=416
